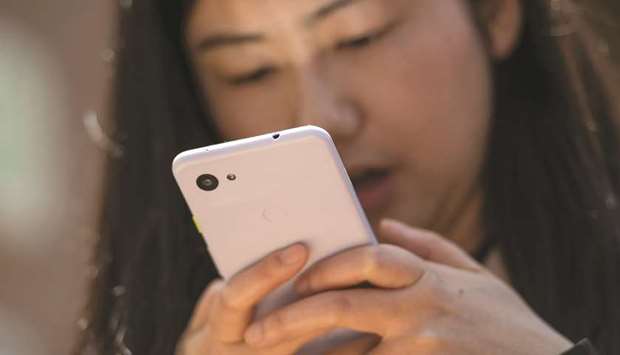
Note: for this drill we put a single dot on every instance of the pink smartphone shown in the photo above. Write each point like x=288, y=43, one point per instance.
x=252, y=196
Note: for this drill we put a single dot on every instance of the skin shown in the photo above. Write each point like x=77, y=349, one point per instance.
x=416, y=99
x=400, y=82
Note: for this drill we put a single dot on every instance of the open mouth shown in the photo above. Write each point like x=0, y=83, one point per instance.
x=374, y=188
x=368, y=178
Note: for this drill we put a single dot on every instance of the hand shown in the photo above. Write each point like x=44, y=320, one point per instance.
x=225, y=309
x=430, y=298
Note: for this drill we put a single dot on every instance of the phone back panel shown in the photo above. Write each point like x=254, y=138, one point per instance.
x=287, y=190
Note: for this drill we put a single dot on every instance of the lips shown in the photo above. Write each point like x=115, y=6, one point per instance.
x=374, y=187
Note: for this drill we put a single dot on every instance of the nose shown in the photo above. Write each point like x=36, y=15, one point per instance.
x=324, y=104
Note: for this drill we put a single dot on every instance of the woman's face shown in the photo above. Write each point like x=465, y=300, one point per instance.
x=403, y=87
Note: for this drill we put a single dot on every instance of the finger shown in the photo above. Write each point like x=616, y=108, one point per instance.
x=383, y=265
x=201, y=312
x=291, y=346
x=427, y=245
x=234, y=304
x=360, y=345
x=202, y=342
x=351, y=309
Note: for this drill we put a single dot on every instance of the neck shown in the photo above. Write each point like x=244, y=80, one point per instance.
x=465, y=228
x=467, y=232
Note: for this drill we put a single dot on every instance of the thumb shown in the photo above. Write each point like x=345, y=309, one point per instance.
x=427, y=245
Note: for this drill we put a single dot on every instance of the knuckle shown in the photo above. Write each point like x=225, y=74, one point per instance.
x=213, y=289
x=231, y=300
x=275, y=323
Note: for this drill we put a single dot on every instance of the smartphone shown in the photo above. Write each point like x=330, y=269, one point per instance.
x=252, y=196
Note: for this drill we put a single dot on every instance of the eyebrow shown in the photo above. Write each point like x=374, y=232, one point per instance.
x=227, y=39
x=327, y=10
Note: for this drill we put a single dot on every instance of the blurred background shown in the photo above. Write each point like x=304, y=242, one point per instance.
x=54, y=73
x=56, y=64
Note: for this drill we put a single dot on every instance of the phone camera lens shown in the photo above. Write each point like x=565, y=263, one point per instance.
x=207, y=182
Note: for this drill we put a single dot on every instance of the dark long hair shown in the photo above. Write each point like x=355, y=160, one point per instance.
x=552, y=178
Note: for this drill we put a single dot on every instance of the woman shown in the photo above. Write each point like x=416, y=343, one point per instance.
x=492, y=122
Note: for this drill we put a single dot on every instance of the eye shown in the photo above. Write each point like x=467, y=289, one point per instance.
x=356, y=42
x=252, y=77
x=365, y=39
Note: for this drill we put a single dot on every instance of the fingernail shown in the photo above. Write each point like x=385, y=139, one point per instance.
x=292, y=254
x=254, y=334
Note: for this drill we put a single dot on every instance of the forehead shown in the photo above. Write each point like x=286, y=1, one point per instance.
x=251, y=14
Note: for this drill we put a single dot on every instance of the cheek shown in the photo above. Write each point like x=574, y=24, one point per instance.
x=431, y=97
x=428, y=105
